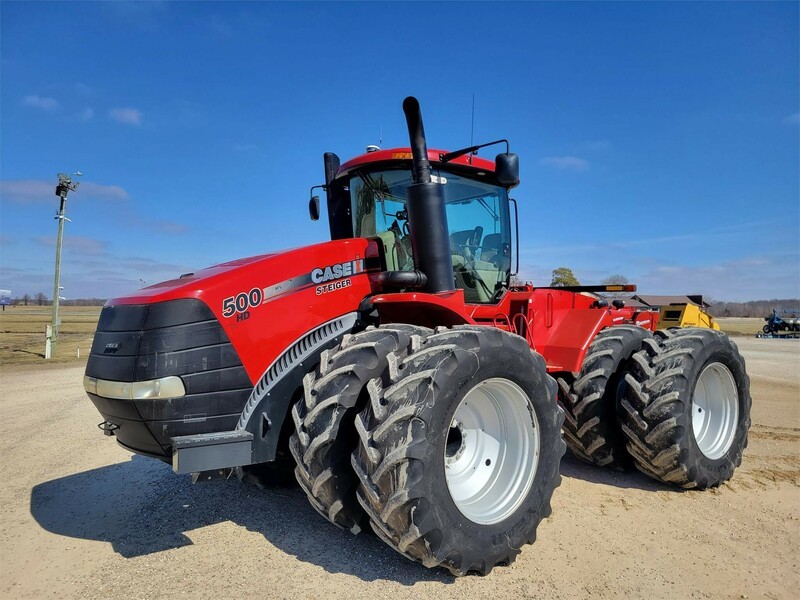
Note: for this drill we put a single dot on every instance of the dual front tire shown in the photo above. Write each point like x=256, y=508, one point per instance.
x=459, y=456
x=457, y=446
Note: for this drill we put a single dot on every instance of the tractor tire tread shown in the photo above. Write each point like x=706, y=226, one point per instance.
x=391, y=462
x=590, y=424
x=656, y=409
x=325, y=418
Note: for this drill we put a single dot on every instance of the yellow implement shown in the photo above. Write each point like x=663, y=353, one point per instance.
x=685, y=315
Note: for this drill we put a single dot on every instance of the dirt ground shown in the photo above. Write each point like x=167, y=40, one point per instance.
x=82, y=518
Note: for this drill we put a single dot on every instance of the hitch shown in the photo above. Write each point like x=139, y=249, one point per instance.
x=213, y=475
x=107, y=427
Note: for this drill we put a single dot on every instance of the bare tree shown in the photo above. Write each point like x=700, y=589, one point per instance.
x=41, y=298
x=615, y=279
x=25, y=299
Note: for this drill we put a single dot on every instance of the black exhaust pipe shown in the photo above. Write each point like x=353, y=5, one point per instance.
x=427, y=219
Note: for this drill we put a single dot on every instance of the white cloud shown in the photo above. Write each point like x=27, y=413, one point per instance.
x=40, y=102
x=127, y=115
x=247, y=148
x=28, y=191
x=686, y=238
x=76, y=244
x=792, y=119
x=595, y=145
x=191, y=114
x=85, y=90
x=87, y=114
x=170, y=227
x=106, y=192
x=25, y=191
x=750, y=278
x=565, y=163
x=89, y=270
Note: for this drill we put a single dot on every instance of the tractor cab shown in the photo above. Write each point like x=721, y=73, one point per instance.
x=368, y=199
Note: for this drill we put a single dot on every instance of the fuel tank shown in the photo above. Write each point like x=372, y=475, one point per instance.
x=182, y=357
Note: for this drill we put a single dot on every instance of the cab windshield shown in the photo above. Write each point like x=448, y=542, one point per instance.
x=477, y=218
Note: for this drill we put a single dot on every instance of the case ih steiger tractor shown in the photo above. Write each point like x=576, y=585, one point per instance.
x=413, y=387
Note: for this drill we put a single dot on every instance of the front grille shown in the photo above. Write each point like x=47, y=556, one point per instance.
x=182, y=337
x=141, y=342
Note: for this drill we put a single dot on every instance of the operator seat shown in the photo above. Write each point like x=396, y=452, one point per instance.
x=490, y=248
x=388, y=241
x=459, y=241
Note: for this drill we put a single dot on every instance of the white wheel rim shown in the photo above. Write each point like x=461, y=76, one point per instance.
x=492, y=451
x=715, y=410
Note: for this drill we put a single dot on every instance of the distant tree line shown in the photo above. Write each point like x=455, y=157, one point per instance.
x=42, y=299
x=563, y=276
x=753, y=308
x=38, y=299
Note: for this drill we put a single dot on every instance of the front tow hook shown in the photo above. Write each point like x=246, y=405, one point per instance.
x=107, y=427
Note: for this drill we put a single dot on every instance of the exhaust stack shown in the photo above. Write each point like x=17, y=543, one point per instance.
x=427, y=219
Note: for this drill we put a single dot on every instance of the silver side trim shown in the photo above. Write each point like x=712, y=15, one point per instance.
x=163, y=387
x=294, y=354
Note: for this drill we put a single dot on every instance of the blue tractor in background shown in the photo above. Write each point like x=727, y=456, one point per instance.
x=786, y=321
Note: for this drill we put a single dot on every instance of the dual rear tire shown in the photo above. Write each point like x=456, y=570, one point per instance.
x=676, y=405
x=591, y=398
x=685, y=410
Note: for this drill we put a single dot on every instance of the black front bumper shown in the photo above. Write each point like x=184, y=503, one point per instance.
x=182, y=338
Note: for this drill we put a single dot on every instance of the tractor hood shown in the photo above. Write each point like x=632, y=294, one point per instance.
x=266, y=302
x=182, y=357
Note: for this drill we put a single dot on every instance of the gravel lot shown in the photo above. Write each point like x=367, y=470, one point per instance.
x=83, y=518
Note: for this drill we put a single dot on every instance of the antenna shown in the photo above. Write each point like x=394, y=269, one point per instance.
x=380, y=140
x=472, y=128
x=472, y=123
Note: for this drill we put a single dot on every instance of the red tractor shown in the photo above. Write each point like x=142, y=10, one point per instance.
x=407, y=381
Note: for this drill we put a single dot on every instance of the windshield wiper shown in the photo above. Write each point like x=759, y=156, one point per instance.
x=456, y=153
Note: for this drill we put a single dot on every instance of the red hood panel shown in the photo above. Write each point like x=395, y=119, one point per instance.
x=267, y=302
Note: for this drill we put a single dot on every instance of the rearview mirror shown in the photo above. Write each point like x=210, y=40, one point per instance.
x=313, y=208
x=506, y=169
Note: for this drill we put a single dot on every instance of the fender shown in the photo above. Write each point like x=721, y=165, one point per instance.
x=567, y=341
x=269, y=403
x=257, y=434
x=426, y=310
x=565, y=323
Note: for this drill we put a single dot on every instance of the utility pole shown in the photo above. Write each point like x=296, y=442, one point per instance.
x=65, y=185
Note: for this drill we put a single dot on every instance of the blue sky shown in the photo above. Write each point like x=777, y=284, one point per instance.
x=656, y=140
